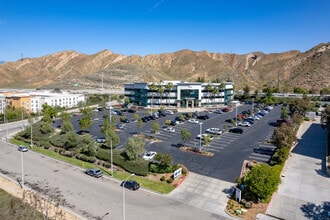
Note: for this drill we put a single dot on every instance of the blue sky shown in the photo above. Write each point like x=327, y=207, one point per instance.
x=34, y=28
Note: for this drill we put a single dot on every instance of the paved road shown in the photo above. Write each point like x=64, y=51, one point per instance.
x=90, y=197
x=304, y=192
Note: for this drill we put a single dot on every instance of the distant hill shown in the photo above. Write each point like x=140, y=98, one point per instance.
x=310, y=69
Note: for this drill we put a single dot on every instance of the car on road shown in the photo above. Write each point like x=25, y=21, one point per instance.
x=22, y=148
x=236, y=130
x=130, y=184
x=194, y=121
x=169, y=129
x=149, y=155
x=94, y=172
x=216, y=131
x=130, y=110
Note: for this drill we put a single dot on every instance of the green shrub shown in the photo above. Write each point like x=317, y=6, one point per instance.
x=162, y=178
x=103, y=154
x=170, y=180
x=138, y=166
x=86, y=158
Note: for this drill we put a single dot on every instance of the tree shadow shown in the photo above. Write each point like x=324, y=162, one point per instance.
x=315, y=211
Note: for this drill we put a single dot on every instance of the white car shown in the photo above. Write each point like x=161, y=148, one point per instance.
x=169, y=129
x=149, y=155
x=217, y=131
x=244, y=124
x=194, y=121
x=205, y=135
x=169, y=112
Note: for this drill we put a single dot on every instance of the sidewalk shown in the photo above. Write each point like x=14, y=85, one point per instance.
x=304, y=192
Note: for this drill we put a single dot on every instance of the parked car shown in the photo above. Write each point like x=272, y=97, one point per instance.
x=216, y=131
x=244, y=124
x=169, y=112
x=120, y=126
x=169, y=129
x=100, y=140
x=124, y=120
x=130, y=184
x=130, y=110
x=203, y=117
x=218, y=111
x=94, y=172
x=236, y=130
x=145, y=119
x=205, y=135
x=22, y=148
x=149, y=155
x=194, y=121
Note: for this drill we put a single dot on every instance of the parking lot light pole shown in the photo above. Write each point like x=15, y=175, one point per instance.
x=200, y=138
x=124, y=213
x=236, y=115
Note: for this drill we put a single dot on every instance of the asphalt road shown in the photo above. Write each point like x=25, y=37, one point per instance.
x=89, y=197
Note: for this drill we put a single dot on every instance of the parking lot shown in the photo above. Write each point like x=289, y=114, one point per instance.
x=230, y=149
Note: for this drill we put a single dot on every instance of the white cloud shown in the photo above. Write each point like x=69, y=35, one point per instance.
x=156, y=5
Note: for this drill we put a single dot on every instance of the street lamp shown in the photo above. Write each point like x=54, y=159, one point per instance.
x=22, y=169
x=111, y=158
x=200, y=138
x=105, y=215
x=124, y=217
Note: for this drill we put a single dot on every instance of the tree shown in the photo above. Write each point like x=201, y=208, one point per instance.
x=168, y=87
x=185, y=135
x=86, y=121
x=208, y=89
x=164, y=159
x=161, y=91
x=66, y=123
x=152, y=88
x=215, y=90
x=300, y=106
x=246, y=92
x=47, y=109
x=155, y=127
x=110, y=134
x=262, y=180
x=134, y=147
x=284, y=113
x=71, y=140
x=45, y=124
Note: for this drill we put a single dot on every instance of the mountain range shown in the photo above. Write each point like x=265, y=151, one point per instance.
x=287, y=70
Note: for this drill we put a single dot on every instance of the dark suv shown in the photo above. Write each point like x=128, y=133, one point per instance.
x=236, y=130
x=203, y=117
x=131, y=184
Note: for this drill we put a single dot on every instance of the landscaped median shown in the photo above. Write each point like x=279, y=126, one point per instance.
x=153, y=181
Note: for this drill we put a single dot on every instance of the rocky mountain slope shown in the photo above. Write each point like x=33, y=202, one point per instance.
x=310, y=69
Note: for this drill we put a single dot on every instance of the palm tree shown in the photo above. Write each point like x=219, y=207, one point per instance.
x=208, y=89
x=168, y=87
x=215, y=90
x=161, y=90
x=152, y=88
